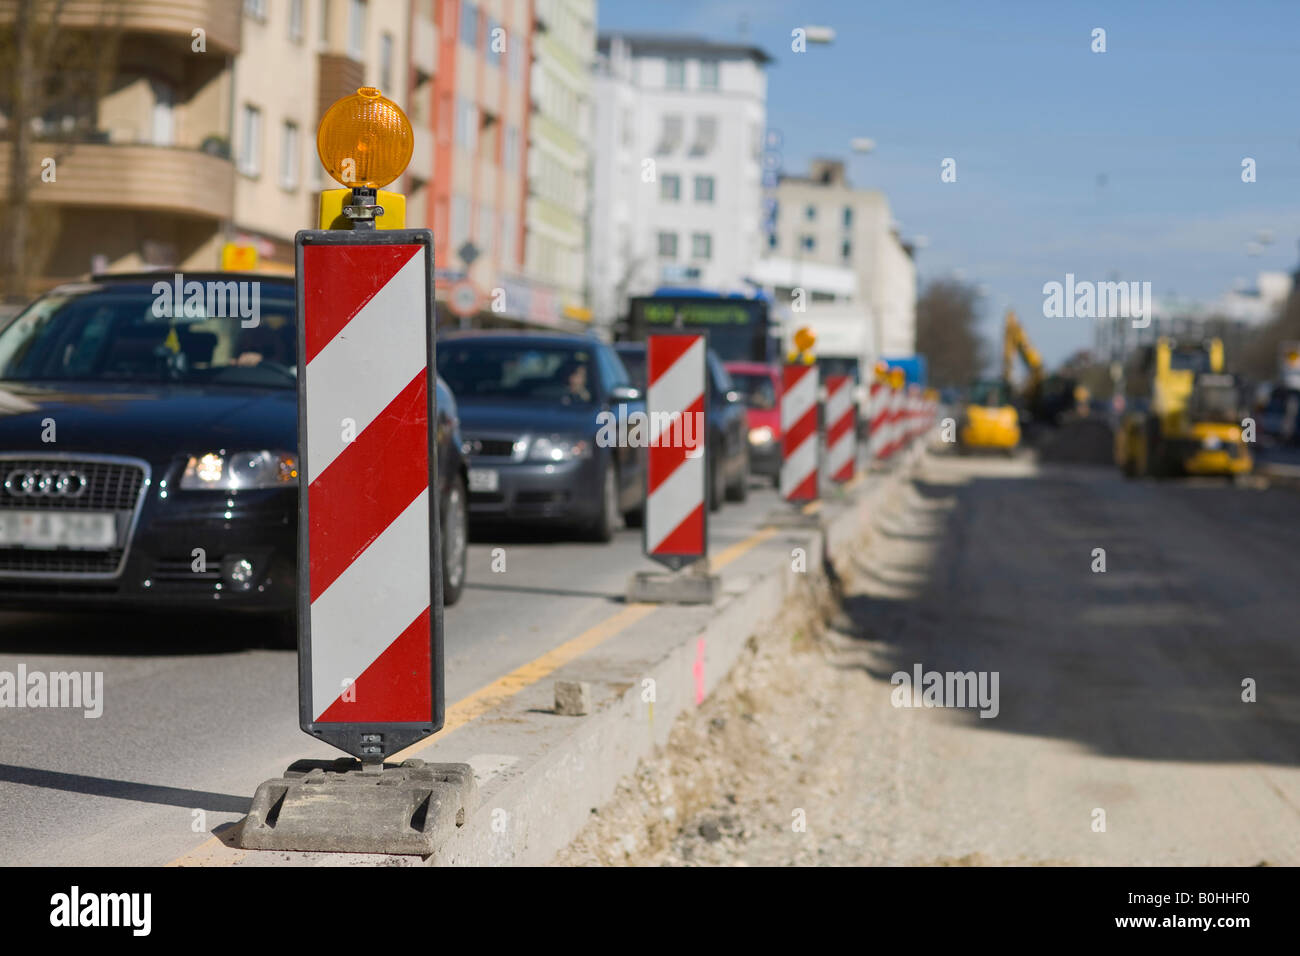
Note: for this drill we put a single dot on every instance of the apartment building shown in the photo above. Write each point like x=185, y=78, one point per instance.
x=478, y=108
x=298, y=57
x=555, y=225
x=129, y=165
x=676, y=173
x=822, y=222
x=201, y=134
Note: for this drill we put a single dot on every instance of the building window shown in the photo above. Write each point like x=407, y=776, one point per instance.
x=676, y=74
x=667, y=245
x=255, y=9
x=489, y=43
x=706, y=134
x=484, y=238
x=250, y=141
x=469, y=24
x=846, y=250
x=460, y=214
x=295, y=21
x=289, y=156
x=848, y=217
x=701, y=245
x=386, y=62
x=466, y=124
x=164, y=125
x=708, y=74
x=515, y=55
x=704, y=189
x=670, y=187
x=808, y=244
x=357, y=29
x=670, y=136
x=810, y=213
x=511, y=159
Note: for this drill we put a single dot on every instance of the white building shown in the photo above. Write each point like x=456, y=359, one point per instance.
x=823, y=223
x=678, y=140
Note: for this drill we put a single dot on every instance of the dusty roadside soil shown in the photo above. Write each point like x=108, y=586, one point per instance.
x=1118, y=694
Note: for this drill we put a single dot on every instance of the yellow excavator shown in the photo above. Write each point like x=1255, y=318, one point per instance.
x=992, y=416
x=1182, y=413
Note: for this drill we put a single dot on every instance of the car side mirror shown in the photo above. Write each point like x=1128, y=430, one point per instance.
x=624, y=393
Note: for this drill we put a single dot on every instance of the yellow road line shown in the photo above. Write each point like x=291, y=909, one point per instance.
x=502, y=689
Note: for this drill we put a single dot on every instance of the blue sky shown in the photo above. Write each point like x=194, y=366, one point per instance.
x=1014, y=93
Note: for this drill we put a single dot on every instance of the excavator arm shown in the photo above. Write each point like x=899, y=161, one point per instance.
x=1015, y=342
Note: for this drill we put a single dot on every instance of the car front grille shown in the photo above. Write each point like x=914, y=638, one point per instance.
x=112, y=484
x=490, y=446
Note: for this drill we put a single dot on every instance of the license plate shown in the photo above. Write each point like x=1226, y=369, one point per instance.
x=48, y=530
x=483, y=479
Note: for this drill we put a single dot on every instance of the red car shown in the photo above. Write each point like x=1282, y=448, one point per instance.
x=760, y=385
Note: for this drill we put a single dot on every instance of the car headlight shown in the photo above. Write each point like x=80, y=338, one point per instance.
x=557, y=449
x=760, y=435
x=1211, y=442
x=241, y=470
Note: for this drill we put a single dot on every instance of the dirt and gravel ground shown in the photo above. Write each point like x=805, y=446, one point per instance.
x=1120, y=692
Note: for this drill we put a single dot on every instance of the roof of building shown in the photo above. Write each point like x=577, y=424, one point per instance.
x=681, y=44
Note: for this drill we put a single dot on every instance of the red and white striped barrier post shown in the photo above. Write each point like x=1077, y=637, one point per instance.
x=370, y=602
x=677, y=474
x=876, y=427
x=841, y=429
x=799, y=432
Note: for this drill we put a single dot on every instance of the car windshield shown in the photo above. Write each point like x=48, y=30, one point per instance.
x=992, y=394
x=552, y=375
x=228, y=336
x=757, y=389
x=634, y=362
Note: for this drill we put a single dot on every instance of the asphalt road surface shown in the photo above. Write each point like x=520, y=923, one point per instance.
x=200, y=709
x=1119, y=690
x=1121, y=735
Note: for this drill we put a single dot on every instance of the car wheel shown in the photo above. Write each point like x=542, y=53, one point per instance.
x=607, y=523
x=455, y=542
x=283, y=631
x=717, y=484
x=739, y=489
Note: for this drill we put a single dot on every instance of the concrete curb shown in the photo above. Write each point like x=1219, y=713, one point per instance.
x=532, y=806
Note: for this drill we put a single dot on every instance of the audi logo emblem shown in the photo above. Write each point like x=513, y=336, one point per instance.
x=46, y=483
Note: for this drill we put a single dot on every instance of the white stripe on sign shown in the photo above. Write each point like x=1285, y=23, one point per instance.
x=672, y=501
x=839, y=402
x=796, y=402
x=370, y=604
x=375, y=356
x=801, y=463
x=840, y=454
x=682, y=379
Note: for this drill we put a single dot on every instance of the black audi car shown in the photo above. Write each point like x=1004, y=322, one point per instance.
x=148, y=454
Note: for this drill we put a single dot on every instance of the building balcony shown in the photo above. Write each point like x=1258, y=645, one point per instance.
x=219, y=19
x=132, y=176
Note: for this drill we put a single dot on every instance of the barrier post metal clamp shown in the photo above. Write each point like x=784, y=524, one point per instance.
x=370, y=641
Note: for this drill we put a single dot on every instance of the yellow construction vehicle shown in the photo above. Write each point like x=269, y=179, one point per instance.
x=1182, y=413
x=993, y=414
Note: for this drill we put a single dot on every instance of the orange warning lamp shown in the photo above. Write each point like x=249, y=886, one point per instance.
x=365, y=140
x=804, y=339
